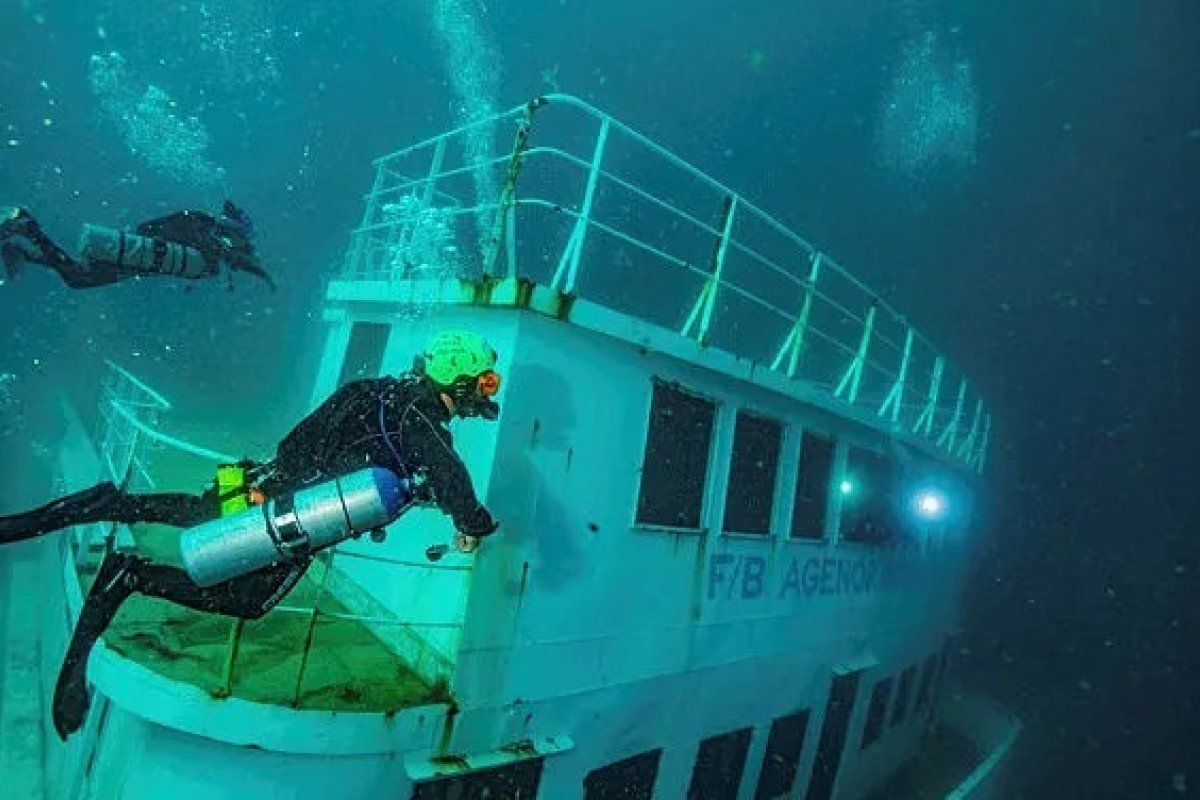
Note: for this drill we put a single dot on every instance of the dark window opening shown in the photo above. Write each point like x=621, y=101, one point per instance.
x=869, y=499
x=752, y=471
x=903, y=694
x=719, y=766
x=364, y=353
x=629, y=779
x=827, y=761
x=812, y=487
x=517, y=781
x=877, y=712
x=675, y=465
x=782, y=759
x=925, y=687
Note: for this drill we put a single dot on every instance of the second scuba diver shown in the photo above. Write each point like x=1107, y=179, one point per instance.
x=187, y=244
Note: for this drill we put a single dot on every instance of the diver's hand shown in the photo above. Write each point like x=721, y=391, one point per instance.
x=465, y=543
x=251, y=264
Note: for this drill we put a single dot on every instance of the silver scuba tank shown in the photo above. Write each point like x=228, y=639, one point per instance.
x=140, y=255
x=294, y=525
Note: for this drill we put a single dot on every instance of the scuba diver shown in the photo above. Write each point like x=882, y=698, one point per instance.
x=397, y=423
x=186, y=244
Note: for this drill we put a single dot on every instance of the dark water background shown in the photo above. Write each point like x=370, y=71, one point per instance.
x=1061, y=269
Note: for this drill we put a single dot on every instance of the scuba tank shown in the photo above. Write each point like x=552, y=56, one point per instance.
x=294, y=525
x=141, y=255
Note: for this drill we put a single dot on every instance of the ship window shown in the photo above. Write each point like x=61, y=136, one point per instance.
x=868, y=497
x=719, y=766
x=752, y=469
x=877, y=711
x=364, y=353
x=812, y=486
x=925, y=687
x=903, y=694
x=629, y=779
x=518, y=781
x=675, y=465
x=782, y=758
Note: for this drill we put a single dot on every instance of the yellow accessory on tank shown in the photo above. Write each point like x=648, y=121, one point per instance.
x=232, y=491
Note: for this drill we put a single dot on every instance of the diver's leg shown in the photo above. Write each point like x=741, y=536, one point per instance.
x=248, y=597
x=112, y=587
x=23, y=240
x=106, y=503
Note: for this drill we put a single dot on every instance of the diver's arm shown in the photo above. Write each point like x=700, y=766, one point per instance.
x=429, y=445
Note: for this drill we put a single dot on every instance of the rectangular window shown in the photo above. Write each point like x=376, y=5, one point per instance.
x=629, y=779
x=752, y=470
x=812, y=486
x=518, y=781
x=364, y=353
x=877, y=712
x=719, y=766
x=925, y=687
x=868, y=498
x=903, y=694
x=784, y=746
x=675, y=464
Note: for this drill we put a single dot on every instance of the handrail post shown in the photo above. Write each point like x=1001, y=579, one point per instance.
x=981, y=452
x=896, y=395
x=924, y=423
x=508, y=192
x=966, y=448
x=794, y=343
x=947, y=438
x=853, y=375
x=410, y=225
x=235, y=643
x=702, y=311
x=568, y=263
x=355, y=267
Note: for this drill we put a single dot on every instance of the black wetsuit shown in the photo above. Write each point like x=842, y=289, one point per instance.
x=22, y=239
x=399, y=424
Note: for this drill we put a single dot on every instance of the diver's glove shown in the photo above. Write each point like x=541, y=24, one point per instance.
x=477, y=523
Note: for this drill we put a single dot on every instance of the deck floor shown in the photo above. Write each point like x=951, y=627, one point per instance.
x=348, y=668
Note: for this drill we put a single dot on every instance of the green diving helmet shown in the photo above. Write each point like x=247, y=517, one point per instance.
x=462, y=364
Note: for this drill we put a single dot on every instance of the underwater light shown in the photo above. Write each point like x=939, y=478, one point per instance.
x=846, y=487
x=930, y=504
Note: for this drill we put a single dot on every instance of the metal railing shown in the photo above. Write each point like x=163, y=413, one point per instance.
x=591, y=208
x=131, y=413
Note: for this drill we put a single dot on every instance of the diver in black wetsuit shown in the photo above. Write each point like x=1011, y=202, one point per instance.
x=186, y=244
x=395, y=423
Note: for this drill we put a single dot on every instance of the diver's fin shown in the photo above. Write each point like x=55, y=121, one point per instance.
x=115, y=581
x=89, y=505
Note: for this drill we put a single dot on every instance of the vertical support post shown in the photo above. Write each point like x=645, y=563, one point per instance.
x=947, y=438
x=356, y=266
x=568, y=263
x=793, y=345
x=235, y=643
x=966, y=450
x=403, y=241
x=312, y=628
x=853, y=375
x=981, y=452
x=896, y=395
x=508, y=193
x=702, y=311
x=924, y=423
